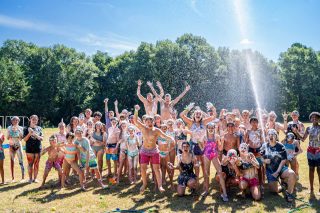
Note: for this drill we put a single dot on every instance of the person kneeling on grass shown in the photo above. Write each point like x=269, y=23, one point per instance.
x=53, y=160
x=87, y=157
x=275, y=157
x=249, y=166
x=187, y=162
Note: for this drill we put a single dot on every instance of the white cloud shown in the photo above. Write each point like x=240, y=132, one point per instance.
x=246, y=41
x=110, y=41
x=113, y=43
x=30, y=25
x=193, y=6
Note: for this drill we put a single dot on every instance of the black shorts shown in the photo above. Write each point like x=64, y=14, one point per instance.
x=33, y=148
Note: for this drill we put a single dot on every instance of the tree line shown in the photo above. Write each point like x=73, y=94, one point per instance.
x=58, y=82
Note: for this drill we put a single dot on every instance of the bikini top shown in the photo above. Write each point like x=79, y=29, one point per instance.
x=182, y=136
x=289, y=146
x=98, y=137
x=132, y=141
x=245, y=165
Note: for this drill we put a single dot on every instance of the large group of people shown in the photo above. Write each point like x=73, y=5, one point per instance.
x=244, y=147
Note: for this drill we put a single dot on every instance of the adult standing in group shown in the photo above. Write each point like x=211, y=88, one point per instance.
x=149, y=151
x=313, y=151
x=166, y=104
x=33, y=136
x=150, y=104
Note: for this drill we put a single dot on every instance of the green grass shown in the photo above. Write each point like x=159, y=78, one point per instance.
x=17, y=197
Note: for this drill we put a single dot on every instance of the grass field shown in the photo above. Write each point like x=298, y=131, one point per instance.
x=24, y=197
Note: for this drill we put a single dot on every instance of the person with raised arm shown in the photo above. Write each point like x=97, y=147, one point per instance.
x=108, y=114
x=313, y=151
x=149, y=150
x=211, y=154
x=272, y=124
x=166, y=104
x=150, y=104
x=197, y=125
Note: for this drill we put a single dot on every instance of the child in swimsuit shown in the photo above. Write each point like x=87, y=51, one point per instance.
x=132, y=144
x=52, y=161
x=71, y=154
x=291, y=144
x=164, y=148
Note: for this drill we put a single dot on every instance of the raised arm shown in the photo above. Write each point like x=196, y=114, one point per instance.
x=184, y=113
x=116, y=109
x=177, y=99
x=138, y=123
x=106, y=112
x=160, y=88
x=210, y=118
x=164, y=136
x=141, y=98
x=154, y=92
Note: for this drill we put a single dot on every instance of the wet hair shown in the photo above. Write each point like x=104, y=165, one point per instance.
x=52, y=137
x=97, y=113
x=15, y=118
x=273, y=113
x=70, y=134
x=96, y=124
x=88, y=110
x=71, y=121
x=185, y=143
x=180, y=121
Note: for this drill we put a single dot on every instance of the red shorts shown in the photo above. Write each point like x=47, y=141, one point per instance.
x=147, y=156
x=251, y=182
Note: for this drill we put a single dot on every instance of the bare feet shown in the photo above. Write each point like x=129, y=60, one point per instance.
x=142, y=188
x=161, y=189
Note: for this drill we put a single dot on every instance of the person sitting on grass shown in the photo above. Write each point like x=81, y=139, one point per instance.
x=186, y=163
x=1, y=156
x=53, y=160
x=275, y=157
x=313, y=152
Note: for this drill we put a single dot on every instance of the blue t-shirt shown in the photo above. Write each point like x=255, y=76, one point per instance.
x=84, y=143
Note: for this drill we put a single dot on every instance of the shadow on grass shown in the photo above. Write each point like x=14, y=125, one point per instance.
x=12, y=186
x=52, y=185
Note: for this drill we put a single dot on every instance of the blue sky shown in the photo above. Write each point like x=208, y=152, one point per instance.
x=115, y=26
